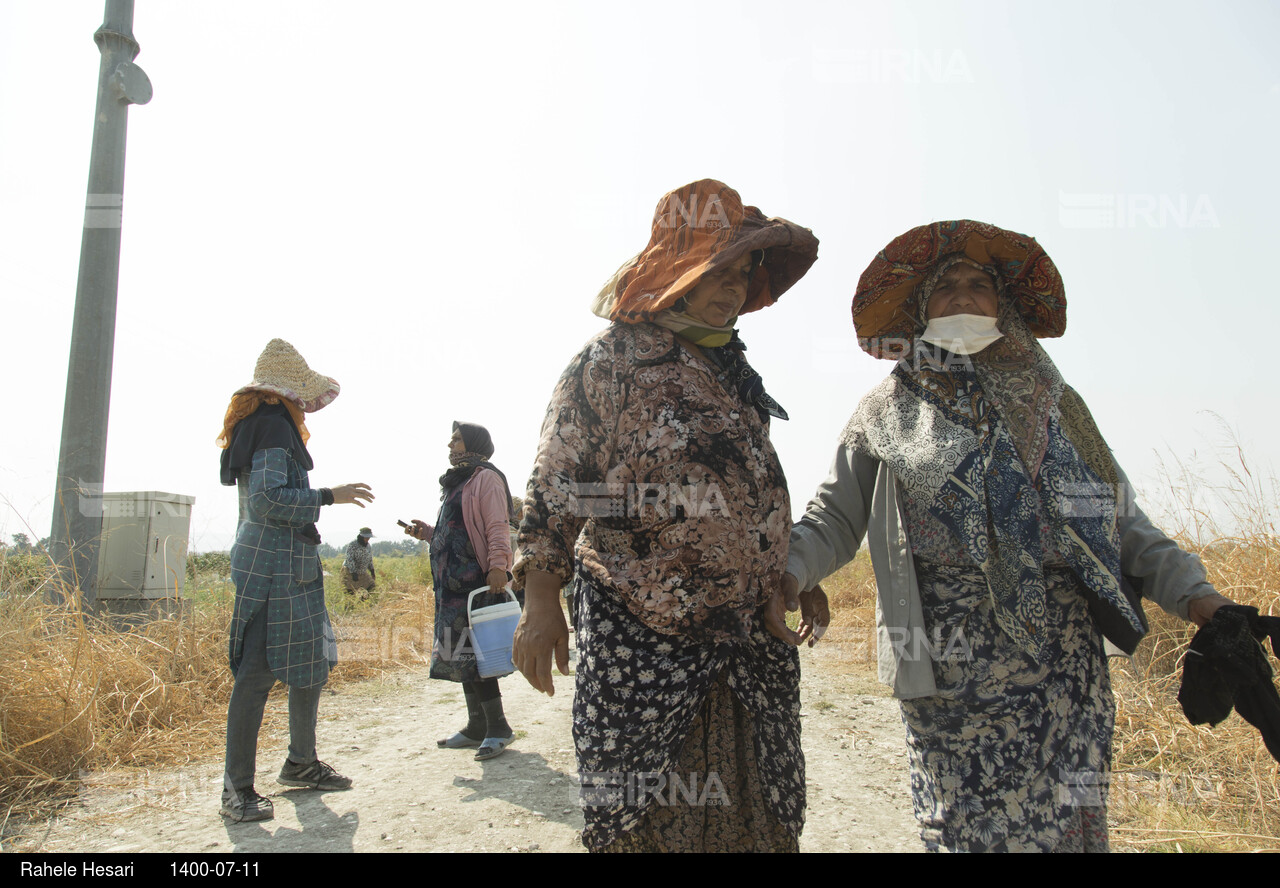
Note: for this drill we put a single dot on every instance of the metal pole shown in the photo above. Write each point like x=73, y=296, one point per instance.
x=77, y=507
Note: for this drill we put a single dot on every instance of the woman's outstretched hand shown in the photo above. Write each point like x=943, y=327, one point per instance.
x=1201, y=610
x=542, y=633
x=815, y=612
x=352, y=493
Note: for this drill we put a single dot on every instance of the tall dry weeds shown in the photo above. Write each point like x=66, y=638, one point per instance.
x=78, y=694
x=1176, y=786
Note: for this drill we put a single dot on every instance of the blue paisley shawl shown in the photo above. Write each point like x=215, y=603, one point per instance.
x=934, y=421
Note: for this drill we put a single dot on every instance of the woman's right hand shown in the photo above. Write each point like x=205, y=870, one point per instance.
x=352, y=493
x=420, y=530
x=815, y=612
x=542, y=633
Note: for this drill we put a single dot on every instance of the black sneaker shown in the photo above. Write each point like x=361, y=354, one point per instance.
x=316, y=775
x=246, y=806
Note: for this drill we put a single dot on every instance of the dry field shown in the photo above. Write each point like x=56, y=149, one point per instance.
x=76, y=696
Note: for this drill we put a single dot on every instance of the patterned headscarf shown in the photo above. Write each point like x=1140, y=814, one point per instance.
x=1017, y=375
x=476, y=439
x=991, y=442
x=885, y=307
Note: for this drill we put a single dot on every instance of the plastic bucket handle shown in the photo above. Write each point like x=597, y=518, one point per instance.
x=475, y=592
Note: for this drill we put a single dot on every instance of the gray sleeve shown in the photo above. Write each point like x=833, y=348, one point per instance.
x=829, y=534
x=1171, y=577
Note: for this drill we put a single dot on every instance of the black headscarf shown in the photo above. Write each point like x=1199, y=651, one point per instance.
x=268, y=426
x=478, y=446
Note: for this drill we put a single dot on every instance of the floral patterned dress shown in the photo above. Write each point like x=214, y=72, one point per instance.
x=1012, y=754
x=662, y=487
x=1014, y=750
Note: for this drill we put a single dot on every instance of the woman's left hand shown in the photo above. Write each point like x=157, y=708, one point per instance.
x=1201, y=610
x=542, y=635
x=497, y=579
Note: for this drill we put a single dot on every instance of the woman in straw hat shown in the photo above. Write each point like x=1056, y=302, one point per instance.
x=657, y=491
x=470, y=548
x=279, y=628
x=1005, y=542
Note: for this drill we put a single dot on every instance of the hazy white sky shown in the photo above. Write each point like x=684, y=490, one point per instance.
x=423, y=197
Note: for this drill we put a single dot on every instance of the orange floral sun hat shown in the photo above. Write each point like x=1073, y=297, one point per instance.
x=886, y=309
x=282, y=371
x=697, y=230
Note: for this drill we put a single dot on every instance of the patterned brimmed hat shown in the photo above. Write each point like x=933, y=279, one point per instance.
x=282, y=371
x=697, y=230
x=885, y=308
x=365, y=532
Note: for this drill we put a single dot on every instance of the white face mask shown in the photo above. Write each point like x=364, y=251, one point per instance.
x=963, y=334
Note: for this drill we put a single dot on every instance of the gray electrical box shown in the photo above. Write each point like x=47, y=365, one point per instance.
x=143, y=555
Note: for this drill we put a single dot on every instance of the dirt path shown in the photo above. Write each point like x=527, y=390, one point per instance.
x=411, y=796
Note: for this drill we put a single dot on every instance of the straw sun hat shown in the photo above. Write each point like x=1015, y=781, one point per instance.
x=282, y=371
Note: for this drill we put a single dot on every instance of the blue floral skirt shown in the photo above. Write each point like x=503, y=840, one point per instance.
x=1011, y=755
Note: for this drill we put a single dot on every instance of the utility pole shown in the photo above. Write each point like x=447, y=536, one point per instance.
x=77, y=505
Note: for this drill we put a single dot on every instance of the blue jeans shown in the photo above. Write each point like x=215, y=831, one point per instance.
x=254, y=681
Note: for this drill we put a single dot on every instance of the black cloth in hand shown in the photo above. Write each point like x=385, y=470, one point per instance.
x=1226, y=667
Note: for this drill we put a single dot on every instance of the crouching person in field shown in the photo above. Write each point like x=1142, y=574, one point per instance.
x=358, y=575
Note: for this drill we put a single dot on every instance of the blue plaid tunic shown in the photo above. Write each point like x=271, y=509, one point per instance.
x=272, y=566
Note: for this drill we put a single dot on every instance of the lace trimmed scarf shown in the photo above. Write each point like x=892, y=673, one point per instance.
x=988, y=441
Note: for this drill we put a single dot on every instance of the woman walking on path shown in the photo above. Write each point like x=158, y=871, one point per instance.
x=657, y=490
x=1005, y=540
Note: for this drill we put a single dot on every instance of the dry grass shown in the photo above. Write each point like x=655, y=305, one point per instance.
x=390, y=631
x=79, y=695
x=1179, y=787
x=76, y=695
x=850, y=641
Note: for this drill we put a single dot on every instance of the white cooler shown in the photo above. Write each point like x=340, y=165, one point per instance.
x=492, y=630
